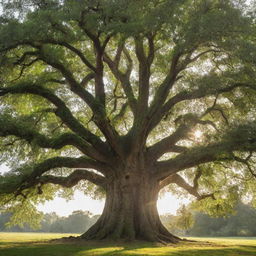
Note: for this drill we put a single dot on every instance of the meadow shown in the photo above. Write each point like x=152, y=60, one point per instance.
x=41, y=244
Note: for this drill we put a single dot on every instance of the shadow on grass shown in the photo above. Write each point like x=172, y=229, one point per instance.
x=68, y=249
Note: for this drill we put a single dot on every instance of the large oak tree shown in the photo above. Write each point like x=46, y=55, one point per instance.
x=132, y=96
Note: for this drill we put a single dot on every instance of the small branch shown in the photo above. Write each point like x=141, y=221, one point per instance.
x=23, y=68
x=245, y=162
x=74, y=50
x=87, y=79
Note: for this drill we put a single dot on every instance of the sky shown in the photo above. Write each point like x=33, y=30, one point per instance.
x=167, y=204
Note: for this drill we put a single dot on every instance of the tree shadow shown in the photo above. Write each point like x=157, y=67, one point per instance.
x=68, y=249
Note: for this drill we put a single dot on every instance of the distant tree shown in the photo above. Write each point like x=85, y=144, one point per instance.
x=77, y=222
x=131, y=96
x=241, y=223
x=48, y=221
x=184, y=220
x=4, y=218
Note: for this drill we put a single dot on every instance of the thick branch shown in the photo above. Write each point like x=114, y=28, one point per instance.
x=10, y=127
x=124, y=79
x=72, y=179
x=87, y=79
x=97, y=106
x=100, y=117
x=74, y=85
x=62, y=111
x=164, y=88
x=60, y=162
x=32, y=175
x=68, y=181
x=180, y=181
x=144, y=75
x=78, y=53
x=195, y=94
x=167, y=144
x=205, y=154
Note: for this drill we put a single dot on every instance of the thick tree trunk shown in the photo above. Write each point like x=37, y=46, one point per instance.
x=130, y=212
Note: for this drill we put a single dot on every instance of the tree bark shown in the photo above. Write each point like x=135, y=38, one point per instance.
x=130, y=212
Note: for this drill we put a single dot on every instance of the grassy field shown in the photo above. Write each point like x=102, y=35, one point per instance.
x=39, y=244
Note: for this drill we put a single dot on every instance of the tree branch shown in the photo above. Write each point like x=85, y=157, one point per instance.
x=144, y=75
x=196, y=94
x=13, y=127
x=68, y=162
x=168, y=144
x=97, y=106
x=72, y=179
x=62, y=111
x=180, y=181
x=234, y=140
x=77, y=52
x=124, y=80
x=32, y=175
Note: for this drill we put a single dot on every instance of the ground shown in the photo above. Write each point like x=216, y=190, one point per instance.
x=39, y=244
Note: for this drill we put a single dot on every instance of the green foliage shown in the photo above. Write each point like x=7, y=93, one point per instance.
x=200, y=61
x=25, y=212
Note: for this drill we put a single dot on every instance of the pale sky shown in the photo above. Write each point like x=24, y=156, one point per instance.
x=166, y=204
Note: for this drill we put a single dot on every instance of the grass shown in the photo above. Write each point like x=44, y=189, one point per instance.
x=39, y=244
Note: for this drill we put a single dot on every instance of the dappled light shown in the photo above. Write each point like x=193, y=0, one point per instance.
x=198, y=134
x=38, y=244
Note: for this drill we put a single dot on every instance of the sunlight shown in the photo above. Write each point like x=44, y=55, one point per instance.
x=169, y=204
x=65, y=207
x=198, y=134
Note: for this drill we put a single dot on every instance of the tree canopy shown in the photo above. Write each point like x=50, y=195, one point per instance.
x=131, y=96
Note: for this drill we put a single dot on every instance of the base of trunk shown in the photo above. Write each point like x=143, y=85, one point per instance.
x=130, y=213
x=99, y=232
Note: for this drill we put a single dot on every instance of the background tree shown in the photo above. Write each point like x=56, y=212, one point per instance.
x=241, y=223
x=131, y=96
x=183, y=221
x=77, y=222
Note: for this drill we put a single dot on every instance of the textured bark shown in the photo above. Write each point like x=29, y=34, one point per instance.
x=130, y=212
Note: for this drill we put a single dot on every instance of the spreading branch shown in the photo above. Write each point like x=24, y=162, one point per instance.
x=36, y=173
x=124, y=79
x=220, y=151
x=180, y=181
x=96, y=104
x=62, y=111
x=18, y=129
x=72, y=179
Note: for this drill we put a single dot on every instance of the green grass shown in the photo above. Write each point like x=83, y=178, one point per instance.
x=39, y=244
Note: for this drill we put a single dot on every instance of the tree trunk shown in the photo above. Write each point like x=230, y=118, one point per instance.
x=130, y=212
